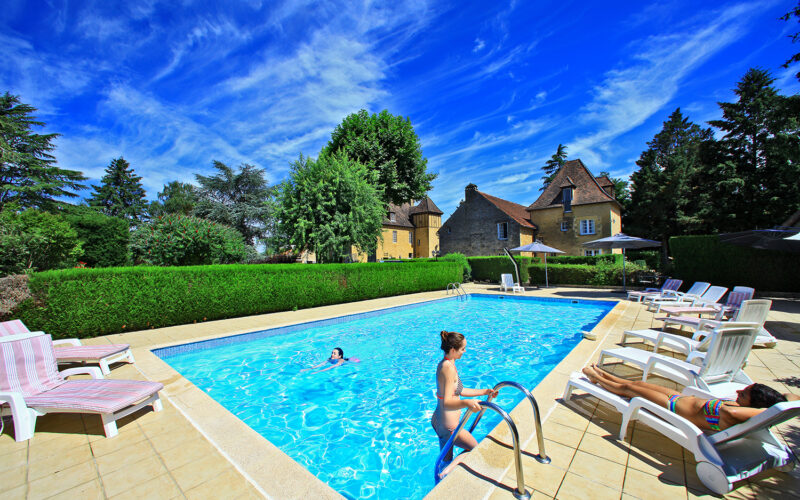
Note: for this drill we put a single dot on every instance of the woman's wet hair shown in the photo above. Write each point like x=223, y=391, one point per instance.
x=451, y=340
x=341, y=352
x=762, y=396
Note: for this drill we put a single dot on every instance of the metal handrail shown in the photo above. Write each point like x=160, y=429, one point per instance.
x=456, y=287
x=542, y=456
x=520, y=492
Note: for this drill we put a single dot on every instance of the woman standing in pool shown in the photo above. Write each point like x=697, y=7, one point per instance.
x=448, y=391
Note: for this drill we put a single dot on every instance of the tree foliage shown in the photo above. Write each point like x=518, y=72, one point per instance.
x=104, y=239
x=552, y=165
x=32, y=240
x=29, y=176
x=388, y=145
x=120, y=193
x=621, y=191
x=176, y=198
x=663, y=188
x=329, y=205
x=242, y=200
x=178, y=240
x=795, y=37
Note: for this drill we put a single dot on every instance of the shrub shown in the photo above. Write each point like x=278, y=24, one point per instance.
x=490, y=268
x=706, y=258
x=591, y=260
x=134, y=298
x=104, y=239
x=582, y=274
x=652, y=258
x=36, y=240
x=13, y=291
x=461, y=259
x=180, y=240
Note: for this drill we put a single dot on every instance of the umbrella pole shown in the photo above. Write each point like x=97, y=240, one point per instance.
x=623, y=270
x=546, y=283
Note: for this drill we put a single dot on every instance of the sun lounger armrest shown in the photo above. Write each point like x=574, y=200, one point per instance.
x=73, y=342
x=94, y=371
x=774, y=415
x=684, y=426
x=654, y=363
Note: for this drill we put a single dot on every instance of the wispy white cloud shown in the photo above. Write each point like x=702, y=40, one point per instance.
x=479, y=45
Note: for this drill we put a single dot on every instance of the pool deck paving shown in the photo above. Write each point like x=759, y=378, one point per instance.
x=195, y=448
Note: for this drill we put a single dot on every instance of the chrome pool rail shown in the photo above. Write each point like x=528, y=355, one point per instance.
x=456, y=288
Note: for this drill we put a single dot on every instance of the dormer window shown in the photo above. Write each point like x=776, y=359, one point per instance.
x=566, y=198
x=392, y=217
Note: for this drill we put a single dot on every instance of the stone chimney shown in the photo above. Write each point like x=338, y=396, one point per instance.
x=470, y=191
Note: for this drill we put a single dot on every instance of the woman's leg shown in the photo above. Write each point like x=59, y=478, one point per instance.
x=621, y=387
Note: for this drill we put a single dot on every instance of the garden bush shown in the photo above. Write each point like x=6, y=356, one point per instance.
x=591, y=260
x=490, y=268
x=652, y=258
x=582, y=274
x=181, y=240
x=91, y=302
x=104, y=239
x=706, y=258
x=461, y=259
x=36, y=240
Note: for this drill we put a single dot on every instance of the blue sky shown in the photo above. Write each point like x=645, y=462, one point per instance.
x=491, y=87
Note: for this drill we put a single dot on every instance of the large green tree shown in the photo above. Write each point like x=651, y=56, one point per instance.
x=388, y=145
x=329, y=205
x=34, y=240
x=176, y=198
x=795, y=36
x=753, y=176
x=29, y=176
x=243, y=200
x=552, y=165
x=120, y=193
x=663, y=189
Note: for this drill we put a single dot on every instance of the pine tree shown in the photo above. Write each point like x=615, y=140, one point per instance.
x=757, y=162
x=663, y=188
x=28, y=174
x=120, y=193
x=795, y=36
x=553, y=164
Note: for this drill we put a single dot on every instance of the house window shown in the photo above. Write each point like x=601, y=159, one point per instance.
x=566, y=199
x=394, y=236
x=410, y=256
x=410, y=238
x=448, y=229
x=587, y=226
x=502, y=230
x=392, y=217
x=565, y=226
x=591, y=253
x=419, y=242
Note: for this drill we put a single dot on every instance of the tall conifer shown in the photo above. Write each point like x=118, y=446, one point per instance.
x=120, y=193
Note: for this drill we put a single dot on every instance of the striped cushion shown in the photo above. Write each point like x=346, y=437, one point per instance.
x=13, y=327
x=98, y=396
x=89, y=352
x=29, y=366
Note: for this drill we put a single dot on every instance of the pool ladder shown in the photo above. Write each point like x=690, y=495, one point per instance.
x=542, y=457
x=457, y=290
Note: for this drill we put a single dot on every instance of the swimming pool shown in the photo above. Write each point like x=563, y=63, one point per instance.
x=363, y=428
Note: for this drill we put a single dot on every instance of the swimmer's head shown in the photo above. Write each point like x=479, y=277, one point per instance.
x=451, y=340
x=337, y=353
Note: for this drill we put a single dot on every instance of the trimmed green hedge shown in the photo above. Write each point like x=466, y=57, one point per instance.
x=92, y=302
x=706, y=258
x=490, y=268
x=591, y=260
x=581, y=274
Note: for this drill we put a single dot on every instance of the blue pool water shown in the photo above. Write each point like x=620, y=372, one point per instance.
x=364, y=427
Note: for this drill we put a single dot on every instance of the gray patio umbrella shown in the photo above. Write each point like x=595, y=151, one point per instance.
x=623, y=241
x=539, y=247
x=784, y=239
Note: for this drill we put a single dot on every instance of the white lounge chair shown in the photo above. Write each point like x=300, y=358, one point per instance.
x=103, y=354
x=31, y=386
x=724, y=457
x=711, y=296
x=752, y=311
x=507, y=281
x=671, y=285
x=695, y=291
x=731, y=306
x=720, y=369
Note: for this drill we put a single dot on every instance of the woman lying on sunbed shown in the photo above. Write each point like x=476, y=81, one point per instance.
x=711, y=414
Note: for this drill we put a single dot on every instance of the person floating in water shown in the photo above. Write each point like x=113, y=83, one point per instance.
x=449, y=390
x=337, y=359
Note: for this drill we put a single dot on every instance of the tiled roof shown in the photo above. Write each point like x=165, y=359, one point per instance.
x=587, y=189
x=514, y=210
x=401, y=215
x=604, y=181
x=426, y=206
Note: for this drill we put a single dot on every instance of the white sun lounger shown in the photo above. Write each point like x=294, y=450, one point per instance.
x=724, y=457
x=719, y=374
x=507, y=281
x=710, y=296
x=695, y=291
x=671, y=285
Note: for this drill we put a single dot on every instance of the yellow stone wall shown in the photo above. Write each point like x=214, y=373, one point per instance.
x=607, y=221
x=525, y=237
x=387, y=249
x=426, y=236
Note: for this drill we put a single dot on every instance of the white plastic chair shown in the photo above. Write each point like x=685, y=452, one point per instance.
x=695, y=291
x=670, y=284
x=711, y=296
x=507, y=281
x=720, y=370
x=724, y=457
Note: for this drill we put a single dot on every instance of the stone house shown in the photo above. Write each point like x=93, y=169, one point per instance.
x=484, y=224
x=575, y=208
x=409, y=231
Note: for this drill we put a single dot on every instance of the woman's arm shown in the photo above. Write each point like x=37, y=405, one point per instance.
x=315, y=366
x=446, y=378
x=478, y=392
x=340, y=363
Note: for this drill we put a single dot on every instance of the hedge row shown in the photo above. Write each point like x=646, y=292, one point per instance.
x=706, y=258
x=490, y=268
x=92, y=302
x=591, y=260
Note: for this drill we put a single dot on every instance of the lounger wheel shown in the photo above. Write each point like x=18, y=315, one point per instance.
x=713, y=478
x=788, y=467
